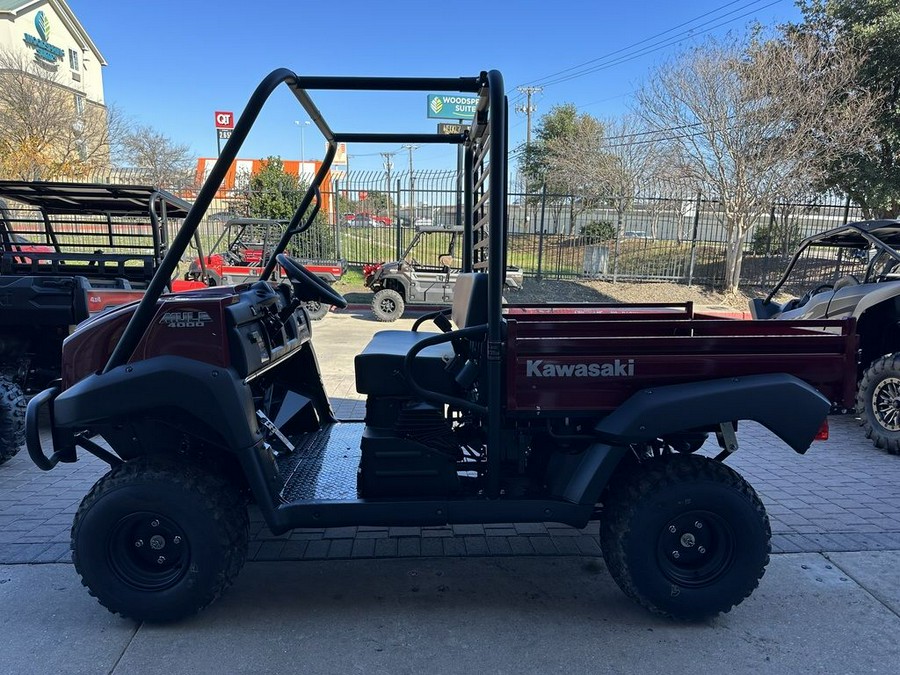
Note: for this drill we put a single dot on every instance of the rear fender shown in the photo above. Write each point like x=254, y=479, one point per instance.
x=787, y=406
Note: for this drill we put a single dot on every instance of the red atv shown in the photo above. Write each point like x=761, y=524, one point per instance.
x=242, y=251
x=481, y=413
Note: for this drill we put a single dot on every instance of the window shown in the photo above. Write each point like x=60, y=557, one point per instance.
x=79, y=104
x=73, y=60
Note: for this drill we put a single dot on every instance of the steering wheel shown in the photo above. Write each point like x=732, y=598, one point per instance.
x=809, y=294
x=315, y=288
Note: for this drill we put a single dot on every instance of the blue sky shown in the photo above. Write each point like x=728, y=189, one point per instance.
x=173, y=63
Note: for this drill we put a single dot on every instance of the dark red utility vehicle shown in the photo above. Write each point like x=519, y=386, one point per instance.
x=67, y=251
x=241, y=252
x=497, y=414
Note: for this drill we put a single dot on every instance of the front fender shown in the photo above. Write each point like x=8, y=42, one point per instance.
x=215, y=395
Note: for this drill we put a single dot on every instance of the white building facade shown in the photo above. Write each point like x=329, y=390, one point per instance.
x=48, y=34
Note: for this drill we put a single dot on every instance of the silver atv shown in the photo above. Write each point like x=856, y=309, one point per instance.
x=856, y=268
x=409, y=282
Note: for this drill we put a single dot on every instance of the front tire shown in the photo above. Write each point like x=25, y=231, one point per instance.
x=387, y=305
x=12, y=417
x=316, y=310
x=157, y=541
x=878, y=403
x=685, y=536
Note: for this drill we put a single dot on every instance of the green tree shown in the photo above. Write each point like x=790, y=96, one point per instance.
x=566, y=143
x=870, y=175
x=274, y=194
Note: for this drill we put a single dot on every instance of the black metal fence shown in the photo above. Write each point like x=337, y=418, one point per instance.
x=662, y=234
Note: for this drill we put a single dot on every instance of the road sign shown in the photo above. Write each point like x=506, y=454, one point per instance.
x=452, y=129
x=451, y=107
x=224, y=120
x=362, y=195
x=224, y=134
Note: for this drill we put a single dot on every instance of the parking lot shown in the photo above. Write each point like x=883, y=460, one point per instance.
x=843, y=495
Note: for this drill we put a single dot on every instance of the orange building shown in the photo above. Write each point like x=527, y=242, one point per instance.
x=241, y=170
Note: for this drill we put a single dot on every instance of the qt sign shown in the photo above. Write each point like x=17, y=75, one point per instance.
x=224, y=120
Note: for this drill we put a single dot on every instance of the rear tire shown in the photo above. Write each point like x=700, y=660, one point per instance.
x=316, y=310
x=878, y=403
x=157, y=541
x=12, y=417
x=387, y=305
x=684, y=536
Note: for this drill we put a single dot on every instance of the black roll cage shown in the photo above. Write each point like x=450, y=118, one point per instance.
x=484, y=196
x=862, y=234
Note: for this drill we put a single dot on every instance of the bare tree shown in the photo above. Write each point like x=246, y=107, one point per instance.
x=739, y=114
x=48, y=130
x=164, y=162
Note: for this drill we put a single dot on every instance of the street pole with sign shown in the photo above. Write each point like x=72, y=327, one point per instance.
x=461, y=108
x=451, y=130
x=302, y=124
x=224, y=126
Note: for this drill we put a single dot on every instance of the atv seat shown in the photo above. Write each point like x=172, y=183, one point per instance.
x=379, y=368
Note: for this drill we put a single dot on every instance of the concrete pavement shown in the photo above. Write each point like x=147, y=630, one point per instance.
x=811, y=614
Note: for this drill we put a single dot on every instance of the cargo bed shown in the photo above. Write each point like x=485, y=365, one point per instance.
x=589, y=358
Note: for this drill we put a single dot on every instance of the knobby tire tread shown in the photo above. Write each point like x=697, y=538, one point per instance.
x=624, y=496
x=12, y=417
x=222, y=497
x=880, y=367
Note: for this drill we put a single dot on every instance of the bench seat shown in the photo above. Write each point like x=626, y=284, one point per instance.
x=379, y=368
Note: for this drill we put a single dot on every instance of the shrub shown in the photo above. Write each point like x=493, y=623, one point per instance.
x=599, y=229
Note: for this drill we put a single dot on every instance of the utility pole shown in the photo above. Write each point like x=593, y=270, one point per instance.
x=388, y=158
x=412, y=184
x=527, y=109
x=388, y=167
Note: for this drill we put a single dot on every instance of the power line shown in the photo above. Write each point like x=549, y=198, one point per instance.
x=634, y=44
x=560, y=76
x=656, y=46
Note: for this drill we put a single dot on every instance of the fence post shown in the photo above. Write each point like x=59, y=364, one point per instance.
x=847, y=210
x=335, y=186
x=694, y=239
x=399, y=234
x=541, y=232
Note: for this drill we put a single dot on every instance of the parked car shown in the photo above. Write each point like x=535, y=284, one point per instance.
x=637, y=234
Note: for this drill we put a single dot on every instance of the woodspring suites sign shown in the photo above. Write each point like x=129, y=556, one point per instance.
x=43, y=50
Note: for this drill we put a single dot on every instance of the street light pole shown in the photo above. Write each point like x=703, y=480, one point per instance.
x=302, y=126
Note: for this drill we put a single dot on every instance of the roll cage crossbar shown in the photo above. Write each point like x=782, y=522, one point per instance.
x=851, y=235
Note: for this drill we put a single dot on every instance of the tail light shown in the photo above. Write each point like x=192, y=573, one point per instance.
x=822, y=434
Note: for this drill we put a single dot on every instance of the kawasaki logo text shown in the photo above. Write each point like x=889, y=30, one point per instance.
x=617, y=368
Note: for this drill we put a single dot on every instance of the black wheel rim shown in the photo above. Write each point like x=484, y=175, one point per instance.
x=387, y=305
x=148, y=552
x=695, y=548
x=886, y=403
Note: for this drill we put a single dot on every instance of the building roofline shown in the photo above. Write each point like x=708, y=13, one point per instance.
x=68, y=18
